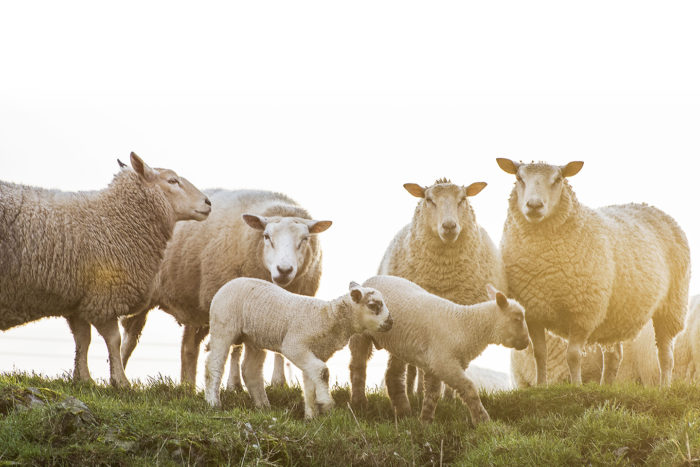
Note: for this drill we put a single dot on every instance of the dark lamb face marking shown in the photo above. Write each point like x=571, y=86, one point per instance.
x=325, y=376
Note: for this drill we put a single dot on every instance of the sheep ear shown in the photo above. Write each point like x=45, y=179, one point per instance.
x=141, y=168
x=475, y=188
x=355, y=292
x=501, y=301
x=571, y=169
x=491, y=291
x=121, y=164
x=319, y=226
x=508, y=165
x=415, y=189
x=256, y=222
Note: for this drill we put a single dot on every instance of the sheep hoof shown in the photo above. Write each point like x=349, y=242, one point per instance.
x=359, y=402
x=237, y=387
x=121, y=383
x=325, y=408
x=481, y=417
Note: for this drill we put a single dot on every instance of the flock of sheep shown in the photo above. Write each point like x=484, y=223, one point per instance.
x=592, y=291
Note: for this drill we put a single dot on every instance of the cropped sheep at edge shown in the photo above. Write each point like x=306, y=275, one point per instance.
x=89, y=256
x=592, y=276
x=306, y=330
x=439, y=337
x=203, y=256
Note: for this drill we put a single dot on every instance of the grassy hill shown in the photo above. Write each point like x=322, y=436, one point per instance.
x=161, y=423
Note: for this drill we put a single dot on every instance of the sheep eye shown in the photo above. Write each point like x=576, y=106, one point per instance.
x=376, y=307
x=174, y=181
x=518, y=178
x=461, y=201
x=558, y=180
x=267, y=237
x=430, y=201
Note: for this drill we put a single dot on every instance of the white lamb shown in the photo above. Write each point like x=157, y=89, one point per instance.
x=306, y=330
x=90, y=256
x=250, y=233
x=592, y=276
x=443, y=250
x=439, y=337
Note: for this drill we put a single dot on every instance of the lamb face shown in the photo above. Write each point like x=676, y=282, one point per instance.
x=370, y=312
x=539, y=186
x=285, y=243
x=445, y=207
x=511, y=328
x=187, y=202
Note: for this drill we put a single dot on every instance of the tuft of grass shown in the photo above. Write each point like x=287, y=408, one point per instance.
x=160, y=422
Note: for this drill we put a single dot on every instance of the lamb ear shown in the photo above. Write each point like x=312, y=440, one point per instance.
x=571, y=169
x=256, y=222
x=491, y=291
x=355, y=292
x=475, y=188
x=319, y=226
x=508, y=165
x=141, y=168
x=415, y=189
x=121, y=164
x=501, y=301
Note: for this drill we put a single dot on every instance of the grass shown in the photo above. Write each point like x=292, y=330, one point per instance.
x=159, y=422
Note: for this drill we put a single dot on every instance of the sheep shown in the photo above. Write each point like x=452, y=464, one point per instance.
x=443, y=249
x=438, y=336
x=308, y=331
x=639, y=363
x=90, y=257
x=250, y=233
x=591, y=276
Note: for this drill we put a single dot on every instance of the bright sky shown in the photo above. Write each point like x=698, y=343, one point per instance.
x=338, y=105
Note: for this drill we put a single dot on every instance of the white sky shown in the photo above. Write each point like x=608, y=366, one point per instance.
x=338, y=105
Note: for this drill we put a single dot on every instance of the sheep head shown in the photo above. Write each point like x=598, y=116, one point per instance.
x=538, y=186
x=369, y=309
x=285, y=243
x=444, y=206
x=511, y=328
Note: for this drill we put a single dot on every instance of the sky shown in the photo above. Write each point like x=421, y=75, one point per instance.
x=338, y=105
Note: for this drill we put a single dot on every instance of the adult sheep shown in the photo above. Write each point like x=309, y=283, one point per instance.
x=90, y=257
x=259, y=234
x=443, y=250
x=592, y=276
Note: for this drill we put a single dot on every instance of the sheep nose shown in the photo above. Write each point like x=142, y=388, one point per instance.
x=207, y=202
x=535, y=204
x=449, y=225
x=284, y=270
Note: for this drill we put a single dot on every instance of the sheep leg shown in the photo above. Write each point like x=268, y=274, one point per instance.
x=82, y=334
x=539, y=347
x=360, y=351
x=664, y=347
x=396, y=386
x=109, y=330
x=278, y=378
x=219, y=344
x=253, y=375
x=192, y=337
x=309, y=398
x=573, y=356
x=234, y=374
x=611, y=364
x=431, y=393
x=411, y=373
x=133, y=326
x=457, y=379
x=314, y=369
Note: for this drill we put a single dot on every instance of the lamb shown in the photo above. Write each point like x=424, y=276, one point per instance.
x=90, y=257
x=592, y=276
x=308, y=331
x=438, y=336
x=249, y=234
x=443, y=249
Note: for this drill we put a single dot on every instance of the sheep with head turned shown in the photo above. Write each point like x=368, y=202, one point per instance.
x=250, y=233
x=591, y=276
x=444, y=251
x=90, y=257
x=306, y=330
x=441, y=338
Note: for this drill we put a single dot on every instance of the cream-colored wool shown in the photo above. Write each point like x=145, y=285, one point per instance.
x=89, y=256
x=592, y=276
x=456, y=263
x=439, y=337
x=308, y=331
x=203, y=256
x=639, y=361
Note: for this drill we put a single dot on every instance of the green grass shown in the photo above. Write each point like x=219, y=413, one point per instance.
x=161, y=423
